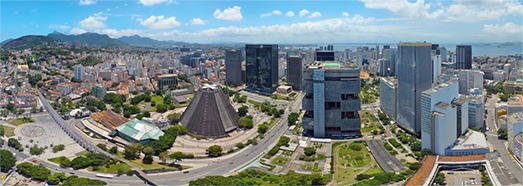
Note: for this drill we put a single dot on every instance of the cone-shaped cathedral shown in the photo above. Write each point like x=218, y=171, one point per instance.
x=210, y=114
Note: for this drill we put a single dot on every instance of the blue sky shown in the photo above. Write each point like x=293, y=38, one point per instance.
x=286, y=21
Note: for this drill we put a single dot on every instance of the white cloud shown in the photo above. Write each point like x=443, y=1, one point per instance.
x=61, y=28
x=459, y=11
x=93, y=22
x=154, y=2
x=315, y=15
x=507, y=28
x=351, y=28
x=159, y=22
x=303, y=12
x=274, y=12
x=87, y=2
x=289, y=14
x=345, y=14
x=229, y=14
x=108, y=9
x=197, y=21
x=76, y=31
x=113, y=33
x=265, y=15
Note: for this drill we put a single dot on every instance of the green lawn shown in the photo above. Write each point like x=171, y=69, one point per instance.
x=369, y=121
x=286, y=152
x=278, y=160
x=112, y=169
x=374, y=170
x=348, y=177
x=9, y=131
x=157, y=99
x=350, y=158
x=56, y=159
x=309, y=167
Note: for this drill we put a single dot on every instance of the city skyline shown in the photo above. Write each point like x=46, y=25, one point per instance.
x=271, y=21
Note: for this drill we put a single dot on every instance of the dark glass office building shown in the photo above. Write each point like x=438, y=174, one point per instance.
x=233, y=67
x=294, y=71
x=261, y=68
x=463, y=57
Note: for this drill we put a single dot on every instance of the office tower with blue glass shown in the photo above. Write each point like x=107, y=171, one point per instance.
x=414, y=75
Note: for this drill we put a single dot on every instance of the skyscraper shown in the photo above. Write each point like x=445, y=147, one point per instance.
x=294, y=71
x=388, y=96
x=414, y=75
x=233, y=65
x=262, y=68
x=469, y=79
x=331, y=100
x=79, y=72
x=322, y=55
x=463, y=57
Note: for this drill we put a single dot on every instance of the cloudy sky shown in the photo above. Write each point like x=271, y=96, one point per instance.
x=271, y=21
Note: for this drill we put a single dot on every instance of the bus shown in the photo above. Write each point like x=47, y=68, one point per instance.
x=104, y=175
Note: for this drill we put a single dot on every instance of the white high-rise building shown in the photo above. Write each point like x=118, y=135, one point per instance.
x=438, y=117
x=436, y=67
x=79, y=71
x=470, y=79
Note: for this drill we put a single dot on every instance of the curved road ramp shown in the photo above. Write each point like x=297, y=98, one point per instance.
x=386, y=161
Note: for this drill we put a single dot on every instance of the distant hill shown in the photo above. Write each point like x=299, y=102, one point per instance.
x=93, y=39
x=29, y=41
x=6, y=41
x=136, y=40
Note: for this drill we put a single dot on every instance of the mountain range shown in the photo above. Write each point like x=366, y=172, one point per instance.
x=92, y=39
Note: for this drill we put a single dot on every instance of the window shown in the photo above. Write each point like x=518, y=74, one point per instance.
x=332, y=105
x=347, y=115
x=348, y=96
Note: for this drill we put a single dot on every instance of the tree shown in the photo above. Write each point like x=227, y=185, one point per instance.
x=502, y=134
x=440, y=178
x=2, y=130
x=10, y=106
x=56, y=178
x=177, y=156
x=132, y=151
x=113, y=150
x=161, y=108
x=242, y=111
x=7, y=161
x=262, y=128
x=240, y=145
x=246, y=122
x=416, y=146
x=80, y=162
x=148, y=158
x=164, y=156
x=293, y=117
x=215, y=151
x=309, y=151
x=101, y=146
x=60, y=147
x=174, y=118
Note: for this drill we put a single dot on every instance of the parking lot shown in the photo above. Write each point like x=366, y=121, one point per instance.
x=462, y=177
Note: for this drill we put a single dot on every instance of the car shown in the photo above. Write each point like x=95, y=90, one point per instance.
x=185, y=172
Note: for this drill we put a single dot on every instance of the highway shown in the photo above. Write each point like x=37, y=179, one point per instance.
x=499, y=144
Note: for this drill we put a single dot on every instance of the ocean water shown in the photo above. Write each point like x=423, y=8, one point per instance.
x=478, y=49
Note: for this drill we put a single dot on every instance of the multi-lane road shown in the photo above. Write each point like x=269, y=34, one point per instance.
x=498, y=144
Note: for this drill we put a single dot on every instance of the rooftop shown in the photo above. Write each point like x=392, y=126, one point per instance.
x=438, y=87
x=390, y=81
x=140, y=130
x=442, y=105
x=415, y=44
x=460, y=100
x=515, y=117
x=472, y=139
x=516, y=100
x=168, y=75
